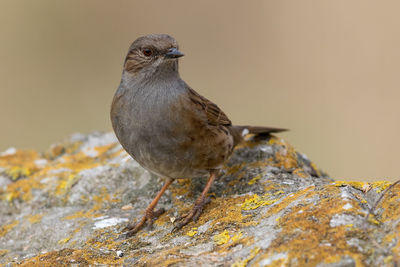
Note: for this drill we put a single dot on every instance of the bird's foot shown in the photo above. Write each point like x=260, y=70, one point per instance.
x=149, y=217
x=193, y=214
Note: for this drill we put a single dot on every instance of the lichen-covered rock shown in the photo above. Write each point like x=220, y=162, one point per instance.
x=270, y=206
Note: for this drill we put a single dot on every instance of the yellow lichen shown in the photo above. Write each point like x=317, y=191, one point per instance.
x=357, y=185
x=243, y=263
x=64, y=240
x=257, y=201
x=222, y=238
x=192, y=232
x=66, y=184
x=255, y=179
x=236, y=237
x=380, y=186
x=300, y=225
x=372, y=219
x=16, y=172
x=388, y=259
x=21, y=189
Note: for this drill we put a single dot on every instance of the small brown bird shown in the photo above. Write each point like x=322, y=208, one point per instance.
x=166, y=126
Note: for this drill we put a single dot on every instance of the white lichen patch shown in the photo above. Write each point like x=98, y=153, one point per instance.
x=341, y=219
x=345, y=194
x=9, y=151
x=347, y=206
x=90, y=152
x=273, y=258
x=41, y=163
x=267, y=149
x=203, y=228
x=108, y=222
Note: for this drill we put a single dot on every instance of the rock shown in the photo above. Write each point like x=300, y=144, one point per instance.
x=271, y=206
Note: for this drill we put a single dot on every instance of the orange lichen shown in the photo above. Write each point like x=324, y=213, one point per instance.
x=234, y=169
x=21, y=166
x=68, y=256
x=21, y=189
x=315, y=168
x=3, y=252
x=396, y=248
x=101, y=150
x=4, y=229
x=390, y=204
x=92, y=213
x=35, y=218
x=68, y=238
x=286, y=156
x=303, y=237
x=105, y=197
x=55, y=151
x=301, y=229
x=301, y=173
x=23, y=159
x=287, y=201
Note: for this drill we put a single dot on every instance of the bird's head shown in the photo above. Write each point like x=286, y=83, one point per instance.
x=151, y=54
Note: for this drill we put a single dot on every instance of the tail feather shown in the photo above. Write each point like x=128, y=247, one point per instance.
x=258, y=129
x=239, y=131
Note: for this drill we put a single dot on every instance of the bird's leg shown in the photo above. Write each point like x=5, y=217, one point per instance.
x=198, y=206
x=149, y=214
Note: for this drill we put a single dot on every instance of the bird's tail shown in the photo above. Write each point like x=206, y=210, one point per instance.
x=240, y=131
x=258, y=130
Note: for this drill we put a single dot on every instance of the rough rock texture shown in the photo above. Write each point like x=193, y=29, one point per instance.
x=270, y=206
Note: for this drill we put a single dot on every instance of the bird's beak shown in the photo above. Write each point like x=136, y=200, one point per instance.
x=173, y=53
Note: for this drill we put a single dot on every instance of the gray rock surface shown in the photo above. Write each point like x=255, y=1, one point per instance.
x=270, y=206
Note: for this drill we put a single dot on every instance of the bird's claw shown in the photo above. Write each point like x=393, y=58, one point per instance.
x=193, y=214
x=149, y=217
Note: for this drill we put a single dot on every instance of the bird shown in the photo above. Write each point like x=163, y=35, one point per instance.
x=167, y=127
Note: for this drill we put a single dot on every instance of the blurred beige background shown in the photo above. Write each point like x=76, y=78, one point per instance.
x=328, y=70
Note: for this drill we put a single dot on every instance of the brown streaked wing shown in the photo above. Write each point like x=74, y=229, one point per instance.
x=215, y=115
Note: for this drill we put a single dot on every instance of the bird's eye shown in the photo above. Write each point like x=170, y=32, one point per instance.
x=147, y=52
